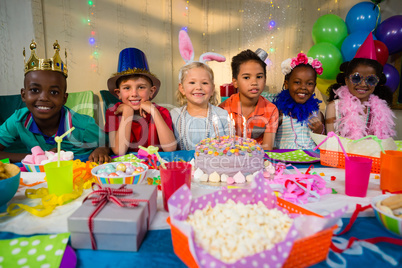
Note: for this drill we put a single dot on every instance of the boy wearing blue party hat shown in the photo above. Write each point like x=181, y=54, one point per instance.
x=136, y=120
x=44, y=93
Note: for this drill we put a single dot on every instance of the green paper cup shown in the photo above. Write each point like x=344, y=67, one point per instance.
x=59, y=179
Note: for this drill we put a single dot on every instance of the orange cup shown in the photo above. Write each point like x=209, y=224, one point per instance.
x=391, y=163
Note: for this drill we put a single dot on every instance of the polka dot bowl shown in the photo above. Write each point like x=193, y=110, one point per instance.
x=33, y=167
x=391, y=223
x=9, y=186
x=135, y=178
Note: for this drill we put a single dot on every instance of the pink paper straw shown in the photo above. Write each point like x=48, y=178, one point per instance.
x=329, y=135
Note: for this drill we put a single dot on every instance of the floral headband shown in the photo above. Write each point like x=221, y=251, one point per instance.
x=289, y=64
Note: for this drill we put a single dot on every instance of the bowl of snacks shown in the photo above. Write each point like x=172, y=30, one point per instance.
x=120, y=173
x=33, y=167
x=36, y=161
x=388, y=211
x=9, y=182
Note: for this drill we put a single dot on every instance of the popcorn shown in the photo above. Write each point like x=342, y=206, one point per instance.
x=232, y=231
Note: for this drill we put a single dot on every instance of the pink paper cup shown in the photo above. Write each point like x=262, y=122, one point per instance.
x=173, y=177
x=357, y=174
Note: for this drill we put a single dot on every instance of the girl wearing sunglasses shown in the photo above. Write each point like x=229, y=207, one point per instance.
x=359, y=103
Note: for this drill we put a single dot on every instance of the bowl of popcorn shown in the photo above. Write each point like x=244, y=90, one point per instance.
x=120, y=173
x=36, y=161
x=388, y=211
x=9, y=182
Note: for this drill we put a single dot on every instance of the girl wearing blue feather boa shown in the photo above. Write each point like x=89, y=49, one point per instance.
x=298, y=107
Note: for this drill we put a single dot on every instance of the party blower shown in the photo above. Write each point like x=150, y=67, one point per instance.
x=59, y=175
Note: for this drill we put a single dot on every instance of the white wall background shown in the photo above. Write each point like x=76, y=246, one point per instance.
x=222, y=26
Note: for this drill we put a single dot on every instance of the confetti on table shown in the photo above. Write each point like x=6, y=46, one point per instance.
x=333, y=178
x=322, y=174
x=333, y=191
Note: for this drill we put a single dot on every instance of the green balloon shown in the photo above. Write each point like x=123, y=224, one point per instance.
x=330, y=57
x=329, y=28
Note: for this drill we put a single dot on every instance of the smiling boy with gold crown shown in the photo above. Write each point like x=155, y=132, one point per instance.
x=44, y=93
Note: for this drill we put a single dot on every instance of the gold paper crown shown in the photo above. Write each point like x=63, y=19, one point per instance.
x=52, y=64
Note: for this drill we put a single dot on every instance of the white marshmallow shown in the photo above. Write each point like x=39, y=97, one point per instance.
x=224, y=177
x=214, y=177
x=239, y=177
x=204, y=177
x=197, y=174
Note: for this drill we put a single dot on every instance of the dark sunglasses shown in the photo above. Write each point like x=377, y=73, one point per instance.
x=371, y=80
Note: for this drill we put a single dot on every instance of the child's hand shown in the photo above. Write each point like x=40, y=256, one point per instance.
x=315, y=124
x=146, y=107
x=100, y=155
x=122, y=107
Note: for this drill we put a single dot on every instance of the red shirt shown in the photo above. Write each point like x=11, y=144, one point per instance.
x=143, y=130
x=263, y=119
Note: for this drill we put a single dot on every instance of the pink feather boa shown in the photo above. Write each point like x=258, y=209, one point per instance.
x=352, y=123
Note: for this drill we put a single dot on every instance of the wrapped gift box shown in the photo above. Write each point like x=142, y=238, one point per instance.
x=115, y=228
x=227, y=90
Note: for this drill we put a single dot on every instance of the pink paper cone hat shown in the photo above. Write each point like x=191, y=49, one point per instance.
x=367, y=49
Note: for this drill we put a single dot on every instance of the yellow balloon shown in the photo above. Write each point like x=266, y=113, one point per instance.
x=323, y=85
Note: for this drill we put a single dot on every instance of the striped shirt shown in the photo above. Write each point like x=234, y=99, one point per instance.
x=293, y=137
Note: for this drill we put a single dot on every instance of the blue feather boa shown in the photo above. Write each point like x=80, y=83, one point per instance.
x=288, y=106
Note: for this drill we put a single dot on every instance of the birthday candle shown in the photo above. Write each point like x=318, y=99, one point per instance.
x=215, y=125
x=233, y=130
x=244, y=127
x=229, y=127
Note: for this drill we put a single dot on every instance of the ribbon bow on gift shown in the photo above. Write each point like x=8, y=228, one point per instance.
x=101, y=196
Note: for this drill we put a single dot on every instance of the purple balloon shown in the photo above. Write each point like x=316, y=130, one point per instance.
x=392, y=75
x=390, y=33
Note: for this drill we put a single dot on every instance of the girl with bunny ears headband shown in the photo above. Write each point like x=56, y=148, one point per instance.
x=198, y=118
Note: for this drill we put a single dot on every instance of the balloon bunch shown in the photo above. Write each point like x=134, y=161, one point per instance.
x=336, y=41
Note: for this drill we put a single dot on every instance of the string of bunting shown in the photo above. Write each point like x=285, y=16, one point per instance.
x=102, y=195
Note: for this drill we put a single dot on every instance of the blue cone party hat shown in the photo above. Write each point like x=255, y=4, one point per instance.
x=132, y=61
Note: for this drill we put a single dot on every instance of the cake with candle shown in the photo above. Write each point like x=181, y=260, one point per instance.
x=230, y=159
